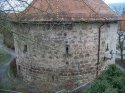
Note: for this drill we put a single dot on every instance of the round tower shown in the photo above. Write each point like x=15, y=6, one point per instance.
x=62, y=44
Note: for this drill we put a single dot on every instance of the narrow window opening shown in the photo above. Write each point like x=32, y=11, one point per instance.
x=107, y=48
x=53, y=78
x=67, y=49
x=65, y=34
x=25, y=49
x=19, y=67
x=111, y=52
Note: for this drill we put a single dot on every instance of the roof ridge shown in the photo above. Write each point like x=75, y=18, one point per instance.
x=67, y=10
x=93, y=9
x=89, y=6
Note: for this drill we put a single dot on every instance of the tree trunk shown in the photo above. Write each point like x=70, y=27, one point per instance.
x=122, y=55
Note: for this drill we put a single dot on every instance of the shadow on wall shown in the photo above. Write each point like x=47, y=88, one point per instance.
x=13, y=67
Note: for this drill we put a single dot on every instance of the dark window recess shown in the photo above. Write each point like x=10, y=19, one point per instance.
x=111, y=52
x=65, y=34
x=87, y=55
x=57, y=26
x=48, y=27
x=67, y=62
x=104, y=59
x=25, y=49
x=53, y=78
x=107, y=47
x=68, y=27
x=67, y=49
x=19, y=67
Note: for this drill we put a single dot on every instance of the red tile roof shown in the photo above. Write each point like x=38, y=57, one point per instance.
x=121, y=24
x=67, y=10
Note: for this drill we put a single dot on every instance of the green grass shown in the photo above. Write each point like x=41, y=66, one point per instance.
x=11, y=74
x=4, y=56
x=111, y=80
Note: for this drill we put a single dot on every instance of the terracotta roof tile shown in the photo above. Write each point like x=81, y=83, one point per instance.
x=121, y=24
x=53, y=10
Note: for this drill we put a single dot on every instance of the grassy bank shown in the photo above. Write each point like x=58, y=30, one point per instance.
x=4, y=56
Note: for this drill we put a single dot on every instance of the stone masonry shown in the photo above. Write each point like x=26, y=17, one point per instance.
x=63, y=55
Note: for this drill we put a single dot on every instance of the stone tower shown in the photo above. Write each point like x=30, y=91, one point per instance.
x=64, y=43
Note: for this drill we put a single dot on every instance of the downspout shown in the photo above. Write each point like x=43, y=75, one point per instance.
x=98, y=56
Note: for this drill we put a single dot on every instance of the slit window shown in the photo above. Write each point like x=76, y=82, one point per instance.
x=53, y=78
x=107, y=47
x=67, y=49
x=25, y=49
x=19, y=67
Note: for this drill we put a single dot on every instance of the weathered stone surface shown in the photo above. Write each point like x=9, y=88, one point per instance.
x=63, y=57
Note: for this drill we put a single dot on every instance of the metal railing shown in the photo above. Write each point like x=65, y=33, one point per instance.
x=76, y=90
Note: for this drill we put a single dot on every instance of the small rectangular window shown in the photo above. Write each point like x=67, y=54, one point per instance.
x=25, y=49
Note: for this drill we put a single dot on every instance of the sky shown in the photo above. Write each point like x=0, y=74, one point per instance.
x=114, y=1
x=16, y=3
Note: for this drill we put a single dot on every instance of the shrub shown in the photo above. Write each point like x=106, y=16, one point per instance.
x=114, y=71
x=4, y=57
x=122, y=90
x=99, y=86
x=110, y=90
x=119, y=83
x=111, y=80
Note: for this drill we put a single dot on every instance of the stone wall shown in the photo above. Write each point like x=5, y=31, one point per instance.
x=1, y=38
x=63, y=55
